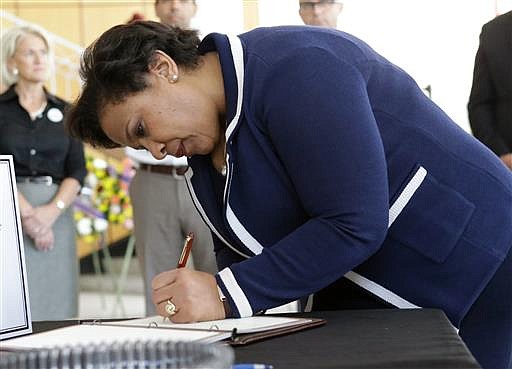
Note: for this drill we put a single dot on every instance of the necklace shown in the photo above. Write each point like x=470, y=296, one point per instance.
x=38, y=113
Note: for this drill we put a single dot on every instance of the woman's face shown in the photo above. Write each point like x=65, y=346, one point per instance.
x=31, y=59
x=174, y=118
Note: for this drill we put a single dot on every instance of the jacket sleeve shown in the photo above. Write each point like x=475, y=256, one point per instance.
x=482, y=101
x=223, y=254
x=317, y=114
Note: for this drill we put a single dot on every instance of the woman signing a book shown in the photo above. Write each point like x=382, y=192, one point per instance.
x=319, y=166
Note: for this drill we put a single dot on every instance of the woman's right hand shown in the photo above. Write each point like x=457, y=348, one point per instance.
x=42, y=236
x=193, y=293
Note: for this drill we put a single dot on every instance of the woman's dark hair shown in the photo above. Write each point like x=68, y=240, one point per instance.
x=116, y=65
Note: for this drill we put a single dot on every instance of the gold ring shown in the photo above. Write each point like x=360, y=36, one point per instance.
x=170, y=308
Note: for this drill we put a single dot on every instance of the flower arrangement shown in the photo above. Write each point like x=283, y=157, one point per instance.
x=104, y=197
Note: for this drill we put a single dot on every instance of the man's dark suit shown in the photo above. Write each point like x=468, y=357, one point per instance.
x=490, y=102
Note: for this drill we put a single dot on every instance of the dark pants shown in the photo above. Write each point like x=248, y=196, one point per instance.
x=486, y=329
x=346, y=295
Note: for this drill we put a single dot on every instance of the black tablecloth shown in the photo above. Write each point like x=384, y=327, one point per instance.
x=389, y=338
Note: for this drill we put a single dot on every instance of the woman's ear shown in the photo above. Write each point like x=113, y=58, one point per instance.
x=163, y=66
x=11, y=64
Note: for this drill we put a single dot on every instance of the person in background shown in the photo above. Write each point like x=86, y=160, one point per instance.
x=323, y=13
x=136, y=17
x=490, y=102
x=49, y=167
x=176, y=13
x=162, y=209
x=312, y=158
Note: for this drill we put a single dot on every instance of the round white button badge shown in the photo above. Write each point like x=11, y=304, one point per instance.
x=55, y=115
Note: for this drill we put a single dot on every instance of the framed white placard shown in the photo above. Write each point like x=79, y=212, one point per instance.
x=15, y=317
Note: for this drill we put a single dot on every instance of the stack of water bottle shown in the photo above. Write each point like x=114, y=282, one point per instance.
x=127, y=355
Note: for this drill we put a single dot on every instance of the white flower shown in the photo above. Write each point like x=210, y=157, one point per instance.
x=115, y=209
x=99, y=163
x=100, y=225
x=84, y=227
x=91, y=180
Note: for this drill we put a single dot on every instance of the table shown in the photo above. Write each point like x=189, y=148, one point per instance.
x=387, y=338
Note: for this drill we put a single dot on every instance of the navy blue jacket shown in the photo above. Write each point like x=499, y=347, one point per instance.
x=338, y=164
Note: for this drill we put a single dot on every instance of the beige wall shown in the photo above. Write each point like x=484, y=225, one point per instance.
x=79, y=21
x=251, y=14
x=82, y=21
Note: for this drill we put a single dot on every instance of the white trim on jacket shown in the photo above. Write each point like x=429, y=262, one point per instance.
x=237, y=294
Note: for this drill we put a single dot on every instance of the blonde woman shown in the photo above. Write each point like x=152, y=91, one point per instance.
x=49, y=167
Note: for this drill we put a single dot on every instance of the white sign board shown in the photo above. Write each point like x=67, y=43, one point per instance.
x=14, y=302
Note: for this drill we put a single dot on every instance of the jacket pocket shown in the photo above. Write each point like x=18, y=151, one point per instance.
x=432, y=219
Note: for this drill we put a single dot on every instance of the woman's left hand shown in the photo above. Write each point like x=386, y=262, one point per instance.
x=194, y=294
x=46, y=216
x=44, y=242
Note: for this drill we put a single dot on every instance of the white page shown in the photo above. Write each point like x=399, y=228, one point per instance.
x=15, y=317
x=85, y=334
x=243, y=325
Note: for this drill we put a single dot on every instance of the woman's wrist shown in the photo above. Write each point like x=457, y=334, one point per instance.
x=225, y=303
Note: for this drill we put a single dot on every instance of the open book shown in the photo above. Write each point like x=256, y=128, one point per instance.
x=240, y=331
x=234, y=331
